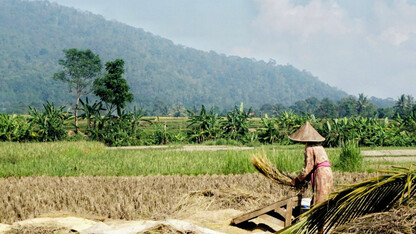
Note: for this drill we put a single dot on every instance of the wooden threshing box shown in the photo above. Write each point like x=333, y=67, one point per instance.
x=282, y=212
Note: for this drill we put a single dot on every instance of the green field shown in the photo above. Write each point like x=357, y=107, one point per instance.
x=93, y=158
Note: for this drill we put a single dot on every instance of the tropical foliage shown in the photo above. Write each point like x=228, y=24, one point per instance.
x=91, y=112
x=205, y=126
x=14, y=128
x=235, y=125
x=118, y=130
x=236, y=128
x=48, y=124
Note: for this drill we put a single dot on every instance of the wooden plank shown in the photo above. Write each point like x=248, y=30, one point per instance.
x=280, y=211
x=272, y=219
x=253, y=214
x=258, y=212
x=288, y=217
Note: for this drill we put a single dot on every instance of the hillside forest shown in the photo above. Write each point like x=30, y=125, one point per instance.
x=161, y=74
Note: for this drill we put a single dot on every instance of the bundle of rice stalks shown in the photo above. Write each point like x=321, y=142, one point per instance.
x=371, y=196
x=266, y=168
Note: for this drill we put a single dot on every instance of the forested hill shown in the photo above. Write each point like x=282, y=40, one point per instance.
x=34, y=33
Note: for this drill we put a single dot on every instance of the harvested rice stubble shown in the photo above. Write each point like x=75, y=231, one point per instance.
x=143, y=197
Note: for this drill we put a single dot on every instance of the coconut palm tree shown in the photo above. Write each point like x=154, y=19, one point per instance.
x=404, y=105
x=373, y=195
x=362, y=103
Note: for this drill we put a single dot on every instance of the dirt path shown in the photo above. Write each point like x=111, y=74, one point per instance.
x=391, y=159
x=388, y=152
x=390, y=155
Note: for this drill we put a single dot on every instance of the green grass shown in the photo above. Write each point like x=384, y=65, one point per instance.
x=92, y=158
x=350, y=158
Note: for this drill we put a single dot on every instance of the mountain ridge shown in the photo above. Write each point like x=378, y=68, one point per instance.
x=34, y=33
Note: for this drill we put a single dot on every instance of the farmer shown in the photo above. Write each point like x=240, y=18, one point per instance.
x=317, y=167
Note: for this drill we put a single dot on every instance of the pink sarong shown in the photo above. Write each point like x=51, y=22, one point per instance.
x=323, y=164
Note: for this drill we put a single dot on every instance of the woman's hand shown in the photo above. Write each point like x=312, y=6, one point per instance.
x=293, y=183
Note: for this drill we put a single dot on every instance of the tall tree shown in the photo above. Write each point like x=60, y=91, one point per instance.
x=266, y=109
x=113, y=88
x=347, y=107
x=313, y=103
x=307, y=106
x=326, y=109
x=278, y=109
x=160, y=108
x=80, y=67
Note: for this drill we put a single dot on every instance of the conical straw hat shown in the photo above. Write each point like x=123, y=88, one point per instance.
x=306, y=133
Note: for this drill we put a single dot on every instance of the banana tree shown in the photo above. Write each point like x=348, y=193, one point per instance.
x=91, y=112
x=269, y=130
x=14, y=128
x=49, y=122
x=235, y=125
x=205, y=126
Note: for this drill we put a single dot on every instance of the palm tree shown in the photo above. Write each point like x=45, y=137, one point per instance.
x=373, y=195
x=362, y=103
x=404, y=105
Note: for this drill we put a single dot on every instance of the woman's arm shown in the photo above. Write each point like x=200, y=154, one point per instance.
x=309, y=164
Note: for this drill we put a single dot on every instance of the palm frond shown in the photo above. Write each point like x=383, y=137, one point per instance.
x=373, y=195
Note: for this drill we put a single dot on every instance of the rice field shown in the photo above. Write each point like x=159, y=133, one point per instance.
x=86, y=179
x=140, y=197
x=92, y=158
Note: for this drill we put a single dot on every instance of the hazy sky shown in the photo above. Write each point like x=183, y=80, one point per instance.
x=359, y=46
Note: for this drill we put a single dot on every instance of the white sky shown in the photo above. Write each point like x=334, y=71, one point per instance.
x=359, y=46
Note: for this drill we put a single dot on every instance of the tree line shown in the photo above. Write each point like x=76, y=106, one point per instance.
x=108, y=120
x=350, y=106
